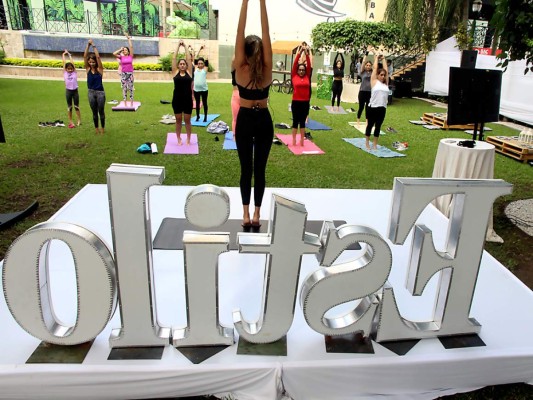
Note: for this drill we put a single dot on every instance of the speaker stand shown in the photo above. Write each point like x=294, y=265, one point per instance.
x=481, y=130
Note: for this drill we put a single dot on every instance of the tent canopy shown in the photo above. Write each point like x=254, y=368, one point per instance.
x=285, y=46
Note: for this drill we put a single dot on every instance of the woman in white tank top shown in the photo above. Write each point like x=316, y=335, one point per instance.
x=377, y=107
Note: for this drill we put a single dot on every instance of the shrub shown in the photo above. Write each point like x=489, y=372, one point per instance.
x=112, y=65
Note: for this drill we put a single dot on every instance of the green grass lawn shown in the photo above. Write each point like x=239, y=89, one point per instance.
x=52, y=164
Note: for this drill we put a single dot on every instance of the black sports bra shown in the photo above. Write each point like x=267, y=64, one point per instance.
x=252, y=94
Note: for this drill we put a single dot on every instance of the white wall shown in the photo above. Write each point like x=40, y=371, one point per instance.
x=287, y=19
x=516, y=99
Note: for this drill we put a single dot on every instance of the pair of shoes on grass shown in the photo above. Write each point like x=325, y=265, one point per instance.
x=51, y=124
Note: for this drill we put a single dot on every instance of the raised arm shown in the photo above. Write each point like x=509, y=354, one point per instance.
x=99, y=66
x=296, y=61
x=374, y=77
x=86, y=55
x=130, y=44
x=385, y=67
x=362, y=66
x=239, y=40
x=309, y=54
x=175, y=57
x=191, y=59
x=267, y=45
x=69, y=56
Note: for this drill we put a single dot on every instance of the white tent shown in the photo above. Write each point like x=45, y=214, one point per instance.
x=516, y=100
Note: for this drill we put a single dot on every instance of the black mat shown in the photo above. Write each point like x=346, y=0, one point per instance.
x=8, y=219
x=170, y=233
x=136, y=353
x=47, y=353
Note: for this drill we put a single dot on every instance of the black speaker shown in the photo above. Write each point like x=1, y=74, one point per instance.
x=473, y=95
x=468, y=58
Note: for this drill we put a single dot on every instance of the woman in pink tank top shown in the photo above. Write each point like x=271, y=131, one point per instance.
x=124, y=56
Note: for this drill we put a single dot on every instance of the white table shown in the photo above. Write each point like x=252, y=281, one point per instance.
x=502, y=305
x=453, y=161
x=350, y=92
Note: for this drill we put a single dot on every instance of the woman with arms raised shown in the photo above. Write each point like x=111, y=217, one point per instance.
x=254, y=129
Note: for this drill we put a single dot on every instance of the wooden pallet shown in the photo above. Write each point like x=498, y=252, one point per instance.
x=439, y=119
x=510, y=146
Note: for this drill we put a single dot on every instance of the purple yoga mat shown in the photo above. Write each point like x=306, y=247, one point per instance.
x=172, y=147
x=122, y=107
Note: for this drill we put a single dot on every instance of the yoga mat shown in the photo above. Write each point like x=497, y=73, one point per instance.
x=417, y=122
x=362, y=128
x=339, y=111
x=210, y=118
x=308, y=148
x=171, y=147
x=169, y=236
x=229, y=143
x=381, y=151
x=122, y=106
x=316, y=126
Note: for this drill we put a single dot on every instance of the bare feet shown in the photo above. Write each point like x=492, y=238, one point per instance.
x=101, y=131
x=294, y=142
x=187, y=142
x=179, y=140
x=79, y=122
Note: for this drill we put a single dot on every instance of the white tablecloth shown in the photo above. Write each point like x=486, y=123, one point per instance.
x=455, y=161
x=350, y=92
x=502, y=305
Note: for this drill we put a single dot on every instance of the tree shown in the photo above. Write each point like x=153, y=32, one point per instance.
x=424, y=22
x=355, y=36
x=513, y=20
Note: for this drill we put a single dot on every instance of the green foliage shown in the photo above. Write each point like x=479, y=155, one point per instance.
x=117, y=14
x=463, y=38
x=166, y=62
x=64, y=10
x=112, y=65
x=2, y=51
x=199, y=13
x=355, y=36
x=513, y=20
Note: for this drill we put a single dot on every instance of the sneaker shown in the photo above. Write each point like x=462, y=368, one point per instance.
x=391, y=130
x=112, y=102
x=71, y=125
x=308, y=135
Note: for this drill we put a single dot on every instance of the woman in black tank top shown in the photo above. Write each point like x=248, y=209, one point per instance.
x=182, y=97
x=254, y=129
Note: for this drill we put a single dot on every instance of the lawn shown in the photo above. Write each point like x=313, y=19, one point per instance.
x=52, y=164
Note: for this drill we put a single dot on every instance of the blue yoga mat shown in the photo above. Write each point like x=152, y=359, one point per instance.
x=229, y=143
x=381, y=151
x=210, y=118
x=316, y=126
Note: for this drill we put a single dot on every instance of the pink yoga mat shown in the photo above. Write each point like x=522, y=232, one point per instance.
x=122, y=107
x=308, y=148
x=171, y=147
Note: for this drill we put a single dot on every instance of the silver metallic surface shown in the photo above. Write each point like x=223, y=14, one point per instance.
x=27, y=290
x=201, y=251
x=284, y=244
x=132, y=242
x=458, y=264
x=357, y=279
x=207, y=206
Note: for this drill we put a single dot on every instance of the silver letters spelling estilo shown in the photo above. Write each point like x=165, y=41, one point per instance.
x=102, y=275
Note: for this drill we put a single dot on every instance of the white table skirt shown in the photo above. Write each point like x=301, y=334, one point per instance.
x=453, y=161
x=502, y=304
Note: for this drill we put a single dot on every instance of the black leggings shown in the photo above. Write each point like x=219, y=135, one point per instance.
x=374, y=117
x=197, y=95
x=364, y=98
x=97, y=103
x=336, y=88
x=254, y=139
x=300, y=111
